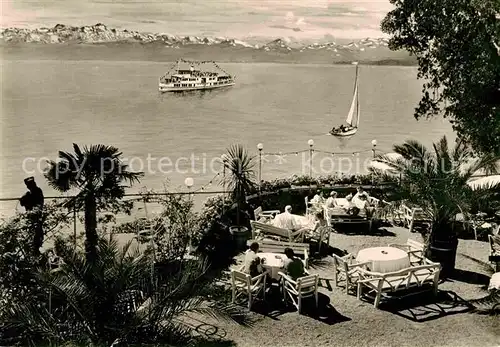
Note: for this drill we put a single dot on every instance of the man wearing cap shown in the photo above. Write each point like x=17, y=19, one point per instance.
x=32, y=201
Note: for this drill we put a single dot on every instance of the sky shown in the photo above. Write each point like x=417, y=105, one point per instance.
x=242, y=19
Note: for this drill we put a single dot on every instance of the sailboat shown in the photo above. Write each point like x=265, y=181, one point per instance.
x=352, y=127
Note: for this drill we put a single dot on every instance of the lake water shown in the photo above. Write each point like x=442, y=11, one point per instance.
x=48, y=105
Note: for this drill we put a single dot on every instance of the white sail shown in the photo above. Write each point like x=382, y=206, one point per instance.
x=358, y=108
x=353, y=106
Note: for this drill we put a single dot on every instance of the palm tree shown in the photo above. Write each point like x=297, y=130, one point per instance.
x=97, y=172
x=436, y=180
x=114, y=299
x=241, y=178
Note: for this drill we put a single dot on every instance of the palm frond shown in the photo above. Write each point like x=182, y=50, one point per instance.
x=411, y=149
x=489, y=304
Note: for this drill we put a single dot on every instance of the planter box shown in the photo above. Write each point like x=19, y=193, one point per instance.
x=240, y=236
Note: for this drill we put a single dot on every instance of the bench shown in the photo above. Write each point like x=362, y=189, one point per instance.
x=279, y=233
x=269, y=246
x=337, y=215
x=421, y=277
x=264, y=215
x=414, y=249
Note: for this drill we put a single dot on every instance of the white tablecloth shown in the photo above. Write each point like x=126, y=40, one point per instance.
x=273, y=263
x=342, y=202
x=384, y=259
x=286, y=221
x=304, y=221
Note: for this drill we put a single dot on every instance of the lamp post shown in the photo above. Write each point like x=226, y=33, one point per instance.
x=374, y=144
x=311, y=144
x=260, y=146
x=189, y=183
x=224, y=159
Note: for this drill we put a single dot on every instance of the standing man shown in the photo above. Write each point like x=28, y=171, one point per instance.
x=32, y=201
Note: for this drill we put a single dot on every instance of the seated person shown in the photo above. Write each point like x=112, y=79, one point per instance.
x=255, y=268
x=320, y=218
x=360, y=191
x=318, y=198
x=294, y=267
x=285, y=220
x=351, y=208
x=250, y=256
x=331, y=202
x=364, y=204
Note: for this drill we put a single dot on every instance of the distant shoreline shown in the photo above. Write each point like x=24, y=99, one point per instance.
x=156, y=53
x=98, y=42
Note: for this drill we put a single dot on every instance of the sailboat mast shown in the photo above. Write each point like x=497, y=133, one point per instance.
x=356, y=78
x=357, y=97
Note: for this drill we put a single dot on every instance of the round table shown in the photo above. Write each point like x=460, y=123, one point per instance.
x=273, y=263
x=384, y=259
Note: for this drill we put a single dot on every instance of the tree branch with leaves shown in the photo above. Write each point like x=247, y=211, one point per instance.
x=456, y=43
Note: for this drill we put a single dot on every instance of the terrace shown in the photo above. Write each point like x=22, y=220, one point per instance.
x=381, y=303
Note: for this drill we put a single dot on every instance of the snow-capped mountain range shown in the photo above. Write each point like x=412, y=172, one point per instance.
x=370, y=51
x=100, y=33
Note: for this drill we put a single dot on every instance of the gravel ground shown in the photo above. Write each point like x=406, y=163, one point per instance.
x=342, y=320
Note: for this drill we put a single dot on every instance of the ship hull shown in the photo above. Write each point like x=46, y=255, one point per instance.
x=167, y=89
x=345, y=133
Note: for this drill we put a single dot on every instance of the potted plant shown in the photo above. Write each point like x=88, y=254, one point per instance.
x=241, y=180
x=437, y=181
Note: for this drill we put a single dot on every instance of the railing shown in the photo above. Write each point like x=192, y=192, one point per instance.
x=145, y=206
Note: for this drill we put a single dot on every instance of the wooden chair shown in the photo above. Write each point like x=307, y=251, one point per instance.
x=302, y=288
x=260, y=215
x=413, y=217
x=319, y=233
x=414, y=249
x=268, y=246
x=417, y=277
x=275, y=232
x=242, y=283
x=346, y=269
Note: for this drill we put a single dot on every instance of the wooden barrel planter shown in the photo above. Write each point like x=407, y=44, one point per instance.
x=240, y=236
x=445, y=253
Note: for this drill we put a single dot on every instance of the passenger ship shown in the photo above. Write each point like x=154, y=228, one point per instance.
x=180, y=80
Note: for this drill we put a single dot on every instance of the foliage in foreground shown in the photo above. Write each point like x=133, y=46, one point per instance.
x=17, y=259
x=119, y=296
x=457, y=45
x=489, y=304
x=98, y=173
x=436, y=179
